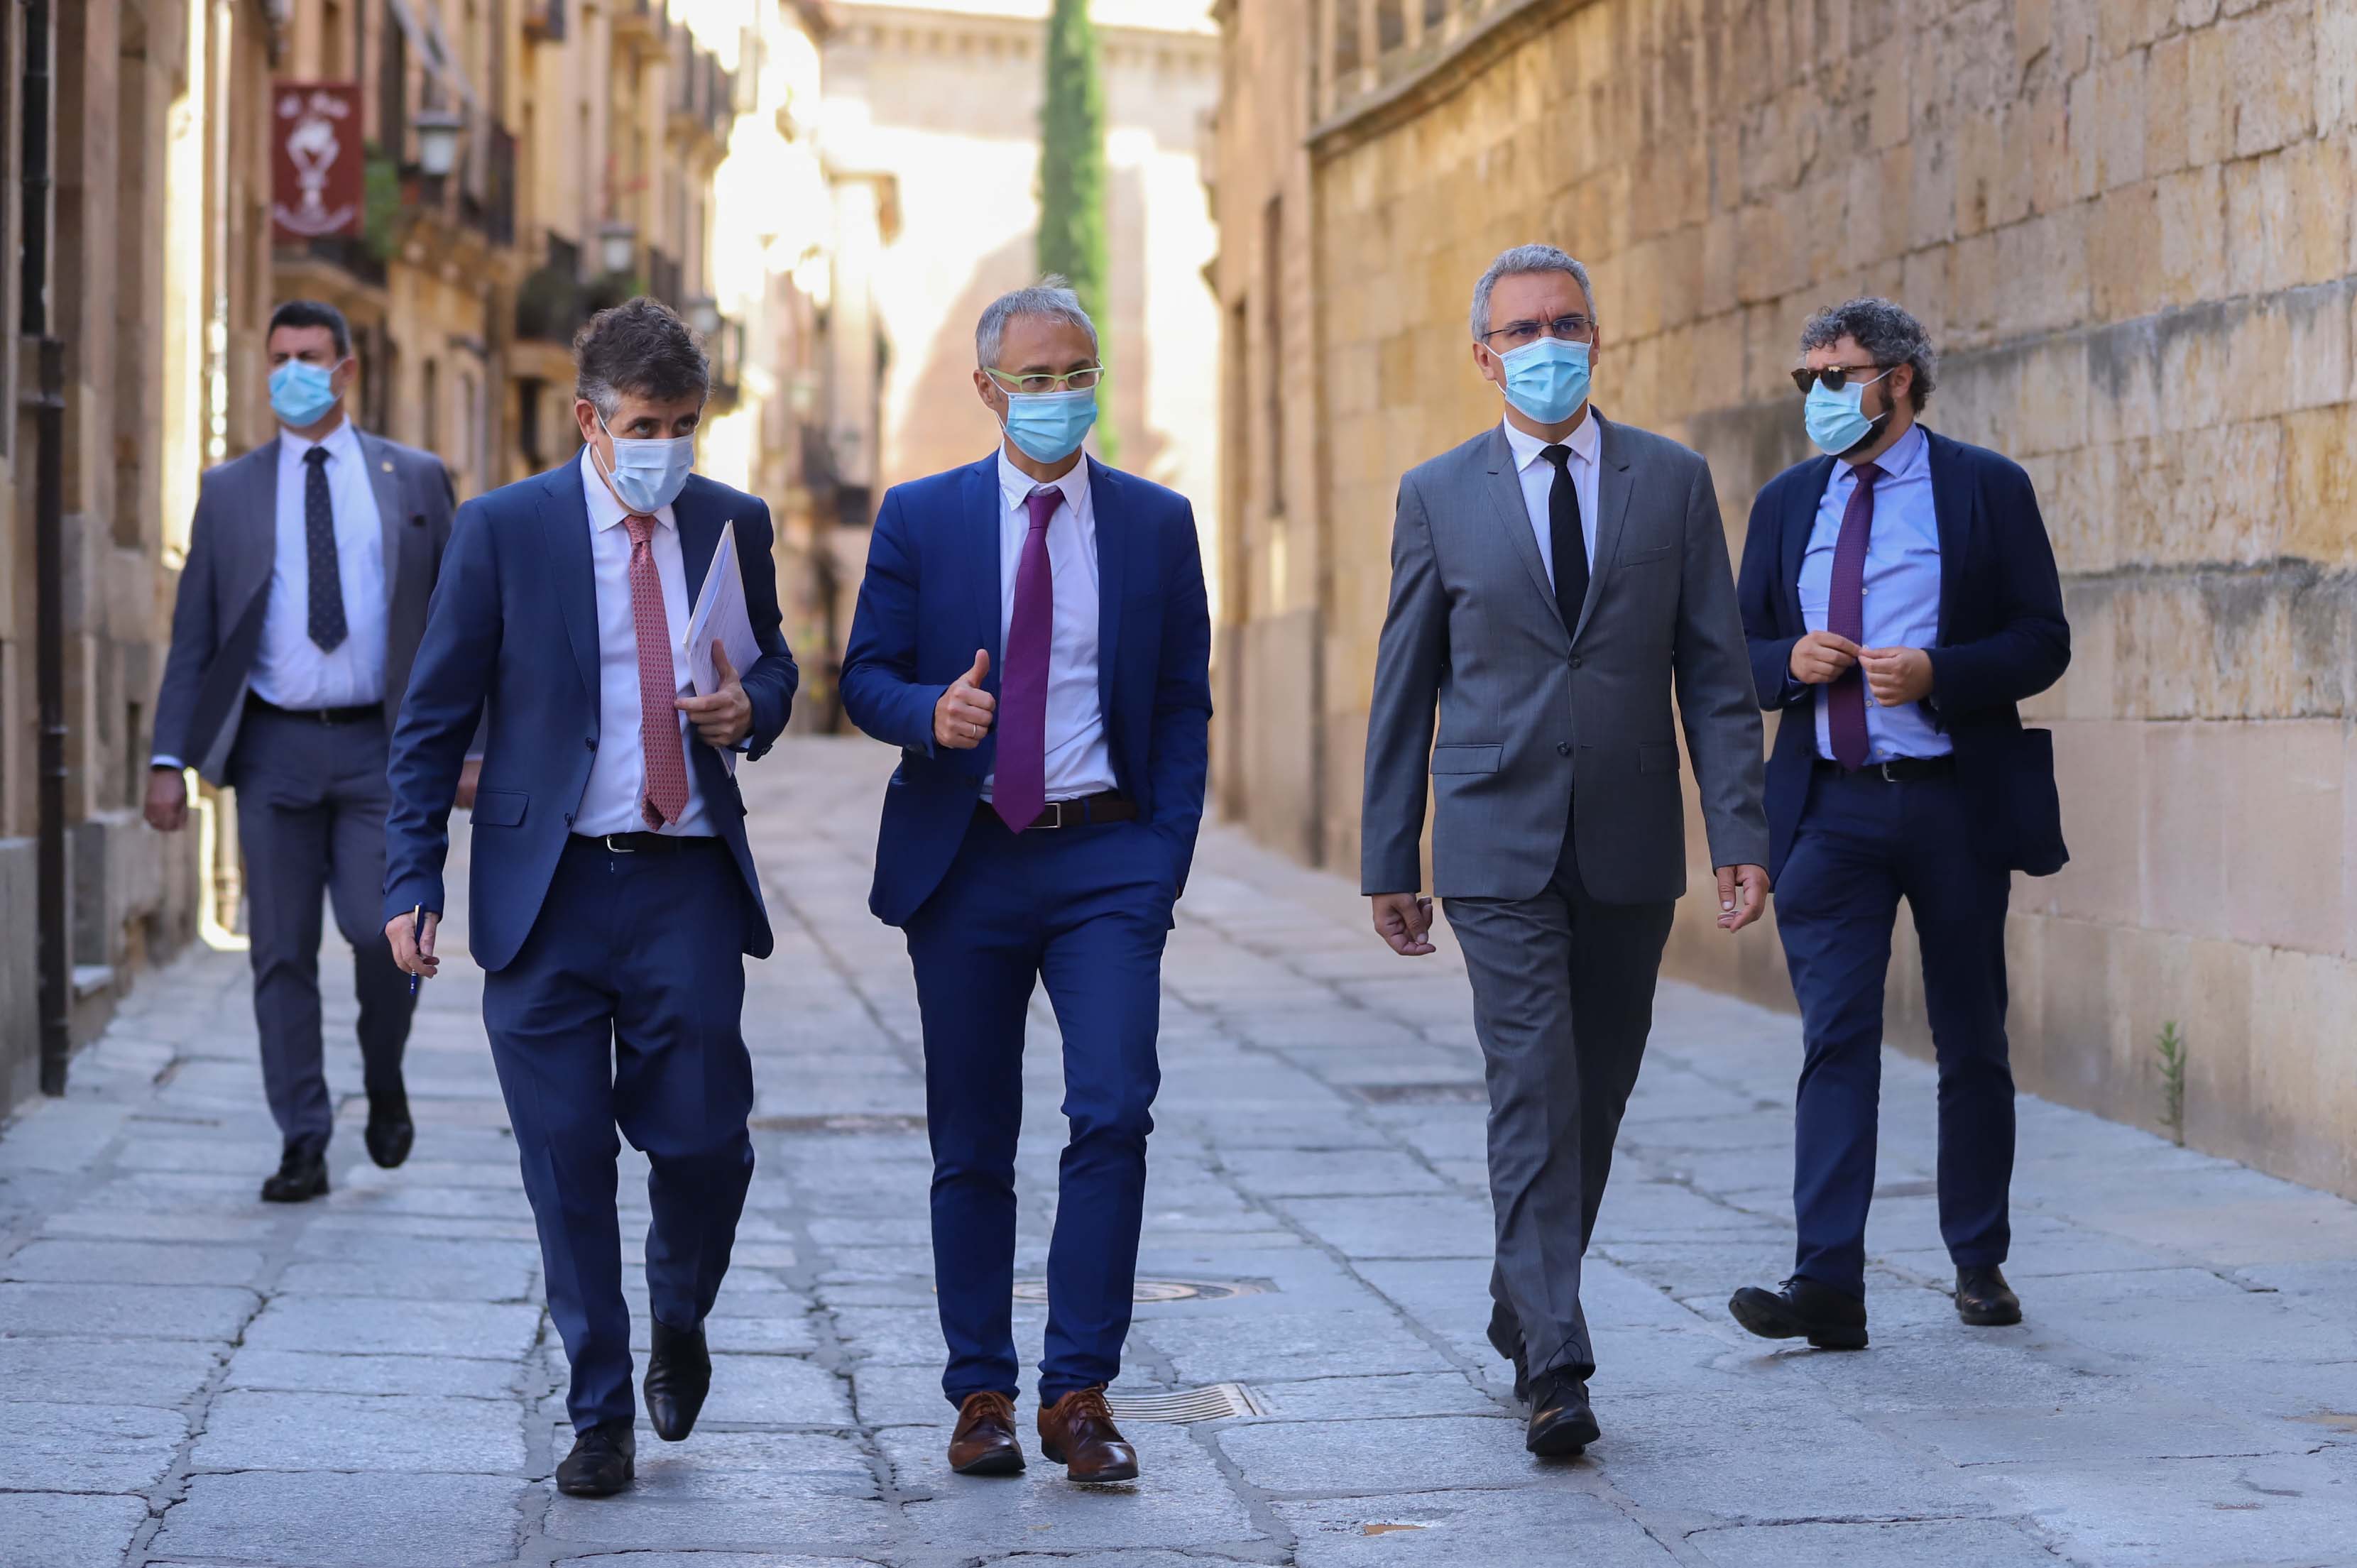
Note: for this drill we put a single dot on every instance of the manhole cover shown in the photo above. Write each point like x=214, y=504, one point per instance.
x=856, y=1122
x=1421, y=1093
x=1154, y=1290
x=1221, y=1402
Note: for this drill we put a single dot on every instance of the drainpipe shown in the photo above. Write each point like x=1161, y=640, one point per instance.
x=48, y=403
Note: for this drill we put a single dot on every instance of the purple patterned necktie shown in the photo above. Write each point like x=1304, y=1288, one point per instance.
x=1019, y=785
x=1845, y=617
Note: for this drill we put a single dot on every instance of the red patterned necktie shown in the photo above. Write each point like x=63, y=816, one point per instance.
x=1019, y=791
x=666, y=796
x=1845, y=617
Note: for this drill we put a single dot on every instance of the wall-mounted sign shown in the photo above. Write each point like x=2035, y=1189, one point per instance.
x=317, y=164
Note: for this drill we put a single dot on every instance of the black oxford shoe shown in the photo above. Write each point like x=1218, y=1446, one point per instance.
x=1562, y=1423
x=603, y=1461
x=679, y=1374
x=302, y=1176
x=1829, y=1319
x=1984, y=1299
x=391, y=1134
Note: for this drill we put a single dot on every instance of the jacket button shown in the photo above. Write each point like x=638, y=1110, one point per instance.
x=569, y=819
x=1563, y=748
x=590, y=741
x=1575, y=662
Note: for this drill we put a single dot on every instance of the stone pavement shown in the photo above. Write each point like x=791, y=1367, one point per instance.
x=188, y=1377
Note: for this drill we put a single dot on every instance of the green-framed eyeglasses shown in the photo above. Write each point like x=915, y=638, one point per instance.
x=1085, y=379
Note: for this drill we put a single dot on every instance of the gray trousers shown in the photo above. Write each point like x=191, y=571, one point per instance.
x=1563, y=999
x=311, y=802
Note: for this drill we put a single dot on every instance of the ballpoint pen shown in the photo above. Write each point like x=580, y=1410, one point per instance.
x=416, y=936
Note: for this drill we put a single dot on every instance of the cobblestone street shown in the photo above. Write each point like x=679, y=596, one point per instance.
x=188, y=1377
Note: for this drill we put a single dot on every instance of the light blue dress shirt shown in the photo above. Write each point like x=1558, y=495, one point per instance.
x=1902, y=587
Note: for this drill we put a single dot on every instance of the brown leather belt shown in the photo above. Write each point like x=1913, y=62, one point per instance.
x=1110, y=807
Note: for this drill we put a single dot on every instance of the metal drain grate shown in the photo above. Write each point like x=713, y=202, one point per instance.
x=1421, y=1093
x=1158, y=1290
x=1221, y=1402
x=851, y=1122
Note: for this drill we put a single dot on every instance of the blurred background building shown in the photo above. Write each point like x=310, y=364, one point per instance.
x=2129, y=228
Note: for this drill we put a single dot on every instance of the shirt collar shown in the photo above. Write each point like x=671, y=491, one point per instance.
x=1908, y=455
x=1583, y=442
x=605, y=511
x=340, y=441
x=1014, y=484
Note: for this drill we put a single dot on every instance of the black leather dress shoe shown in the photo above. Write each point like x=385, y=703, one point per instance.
x=1829, y=1319
x=1984, y=1299
x=679, y=1374
x=391, y=1134
x=302, y=1176
x=603, y=1461
x=1562, y=1424
x=1522, y=1378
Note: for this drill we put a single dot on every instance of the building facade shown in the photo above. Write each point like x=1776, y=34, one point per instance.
x=2128, y=227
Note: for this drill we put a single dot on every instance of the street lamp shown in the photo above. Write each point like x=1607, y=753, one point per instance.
x=703, y=314
x=437, y=141
x=618, y=248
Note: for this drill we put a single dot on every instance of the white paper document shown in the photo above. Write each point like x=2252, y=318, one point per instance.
x=720, y=616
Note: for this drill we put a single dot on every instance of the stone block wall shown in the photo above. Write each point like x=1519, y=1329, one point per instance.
x=2129, y=225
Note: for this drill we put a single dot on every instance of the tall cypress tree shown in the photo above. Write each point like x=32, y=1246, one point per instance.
x=1073, y=173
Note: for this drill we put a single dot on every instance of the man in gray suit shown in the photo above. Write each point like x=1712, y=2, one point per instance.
x=310, y=562
x=1553, y=580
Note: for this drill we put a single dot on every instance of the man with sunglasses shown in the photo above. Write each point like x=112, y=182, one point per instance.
x=1899, y=596
x=1032, y=634
x=1554, y=581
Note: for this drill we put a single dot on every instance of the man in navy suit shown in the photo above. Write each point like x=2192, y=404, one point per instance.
x=1901, y=598
x=613, y=890
x=1032, y=635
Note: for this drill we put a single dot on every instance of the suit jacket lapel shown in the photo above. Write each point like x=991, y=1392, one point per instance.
x=1105, y=500
x=1504, y=486
x=1951, y=507
x=1611, y=512
x=259, y=530
x=391, y=515
x=699, y=535
x=1799, y=519
x=565, y=531
x=980, y=489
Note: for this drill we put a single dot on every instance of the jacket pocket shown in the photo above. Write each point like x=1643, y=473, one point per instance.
x=1657, y=759
x=500, y=808
x=1645, y=557
x=1468, y=759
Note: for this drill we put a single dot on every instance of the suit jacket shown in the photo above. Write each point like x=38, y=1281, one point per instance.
x=1533, y=713
x=2002, y=637
x=225, y=590
x=932, y=598
x=513, y=634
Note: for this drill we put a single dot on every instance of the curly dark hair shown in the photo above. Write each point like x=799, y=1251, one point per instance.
x=640, y=347
x=1883, y=329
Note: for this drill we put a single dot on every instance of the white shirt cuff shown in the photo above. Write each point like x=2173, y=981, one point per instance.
x=172, y=762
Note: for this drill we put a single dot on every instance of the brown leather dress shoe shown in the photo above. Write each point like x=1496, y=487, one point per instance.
x=1077, y=1432
x=984, y=1441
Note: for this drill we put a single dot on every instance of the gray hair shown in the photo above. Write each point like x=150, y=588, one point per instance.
x=1886, y=331
x=1519, y=260
x=640, y=347
x=1052, y=296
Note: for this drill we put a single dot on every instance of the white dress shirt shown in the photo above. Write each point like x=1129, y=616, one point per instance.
x=611, y=801
x=1080, y=760
x=1537, y=475
x=1902, y=588
x=289, y=668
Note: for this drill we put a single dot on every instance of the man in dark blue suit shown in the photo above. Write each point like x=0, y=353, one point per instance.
x=1032, y=635
x=614, y=894
x=1901, y=598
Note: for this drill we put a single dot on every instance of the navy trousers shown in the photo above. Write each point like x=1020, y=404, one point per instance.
x=1864, y=844
x=624, y=1008
x=1087, y=910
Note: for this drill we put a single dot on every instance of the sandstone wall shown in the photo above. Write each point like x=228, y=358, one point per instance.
x=2129, y=224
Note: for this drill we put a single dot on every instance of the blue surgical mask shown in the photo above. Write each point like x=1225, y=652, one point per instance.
x=647, y=475
x=301, y=394
x=1049, y=426
x=1835, y=421
x=1546, y=379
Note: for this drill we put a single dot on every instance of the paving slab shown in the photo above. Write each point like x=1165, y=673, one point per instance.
x=251, y=1429
x=56, y=1531
x=49, y=1447
x=64, y=1370
x=322, y=1520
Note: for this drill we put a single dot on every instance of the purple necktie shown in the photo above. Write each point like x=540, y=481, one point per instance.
x=1845, y=617
x=1019, y=785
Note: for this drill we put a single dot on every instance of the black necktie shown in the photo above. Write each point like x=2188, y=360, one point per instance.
x=327, y=628
x=1566, y=540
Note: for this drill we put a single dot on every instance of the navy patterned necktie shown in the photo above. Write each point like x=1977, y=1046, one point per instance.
x=1845, y=617
x=327, y=628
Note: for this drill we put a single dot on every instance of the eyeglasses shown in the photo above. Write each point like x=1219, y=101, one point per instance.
x=1519, y=334
x=1836, y=376
x=1082, y=379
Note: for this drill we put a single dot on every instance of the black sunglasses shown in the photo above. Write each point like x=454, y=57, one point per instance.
x=1836, y=377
